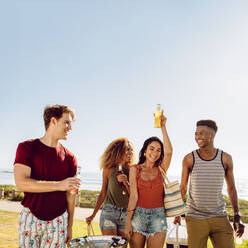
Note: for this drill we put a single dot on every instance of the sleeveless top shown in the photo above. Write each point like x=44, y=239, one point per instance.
x=114, y=194
x=151, y=192
x=205, y=198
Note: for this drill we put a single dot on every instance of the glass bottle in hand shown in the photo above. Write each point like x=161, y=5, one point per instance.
x=119, y=172
x=157, y=116
x=75, y=191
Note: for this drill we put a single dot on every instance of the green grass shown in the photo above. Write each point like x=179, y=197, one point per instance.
x=80, y=229
x=8, y=229
x=88, y=200
x=9, y=235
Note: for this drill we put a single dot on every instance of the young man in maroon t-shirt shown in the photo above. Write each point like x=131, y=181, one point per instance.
x=45, y=170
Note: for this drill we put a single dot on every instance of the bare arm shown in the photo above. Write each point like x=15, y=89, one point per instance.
x=231, y=189
x=167, y=144
x=70, y=208
x=102, y=195
x=186, y=168
x=232, y=192
x=132, y=200
x=24, y=183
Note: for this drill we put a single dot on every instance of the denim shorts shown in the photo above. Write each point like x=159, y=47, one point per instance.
x=113, y=218
x=149, y=221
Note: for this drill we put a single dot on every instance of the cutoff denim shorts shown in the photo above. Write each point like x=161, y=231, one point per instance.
x=149, y=221
x=113, y=218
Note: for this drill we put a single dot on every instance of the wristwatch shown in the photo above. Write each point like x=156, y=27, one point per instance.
x=237, y=213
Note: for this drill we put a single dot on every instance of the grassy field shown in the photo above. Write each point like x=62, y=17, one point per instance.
x=9, y=237
x=8, y=229
x=88, y=200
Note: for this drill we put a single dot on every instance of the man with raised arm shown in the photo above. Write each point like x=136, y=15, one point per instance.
x=206, y=216
x=44, y=169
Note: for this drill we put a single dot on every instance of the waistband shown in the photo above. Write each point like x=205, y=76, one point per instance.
x=27, y=211
x=149, y=210
x=114, y=207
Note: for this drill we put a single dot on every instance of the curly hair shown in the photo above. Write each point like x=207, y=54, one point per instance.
x=114, y=152
x=147, y=142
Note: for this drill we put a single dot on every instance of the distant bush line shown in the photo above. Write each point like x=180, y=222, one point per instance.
x=87, y=199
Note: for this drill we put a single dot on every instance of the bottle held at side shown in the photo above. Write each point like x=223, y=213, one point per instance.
x=75, y=191
x=157, y=116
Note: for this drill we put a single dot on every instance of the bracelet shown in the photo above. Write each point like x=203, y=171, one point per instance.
x=130, y=210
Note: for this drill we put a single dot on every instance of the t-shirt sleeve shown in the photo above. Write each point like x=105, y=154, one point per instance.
x=24, y=154
x=73, y=166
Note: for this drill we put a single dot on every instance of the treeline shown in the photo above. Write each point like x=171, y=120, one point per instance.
x=87, y=199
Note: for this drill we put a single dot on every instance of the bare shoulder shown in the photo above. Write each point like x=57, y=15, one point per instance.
x=227, y=160
x=227, y=156
x=188, y=160
x=105, y=177
x=108, y=171
x=133, y=169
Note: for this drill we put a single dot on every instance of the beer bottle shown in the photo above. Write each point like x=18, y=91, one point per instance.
x=157, y=116
x=75, y=191
x=119, y=172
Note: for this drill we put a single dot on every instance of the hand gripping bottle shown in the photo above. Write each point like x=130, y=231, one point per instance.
x=157, y=116
x=75, y=191
x=119, y=172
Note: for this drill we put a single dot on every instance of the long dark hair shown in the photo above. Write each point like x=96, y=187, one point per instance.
x=147, y=142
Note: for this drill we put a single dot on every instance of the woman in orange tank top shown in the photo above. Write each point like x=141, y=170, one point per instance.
x=146, y=221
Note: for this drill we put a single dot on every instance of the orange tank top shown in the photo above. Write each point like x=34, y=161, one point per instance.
x=150, y=193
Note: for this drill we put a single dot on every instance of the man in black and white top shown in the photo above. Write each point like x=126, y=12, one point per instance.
x=205, y=211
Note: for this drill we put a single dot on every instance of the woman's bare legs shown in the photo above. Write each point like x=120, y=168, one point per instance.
x=157, y=240
x=137, y=240
x=113, y=232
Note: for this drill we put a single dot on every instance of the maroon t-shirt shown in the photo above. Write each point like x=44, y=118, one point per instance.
x=48, y=164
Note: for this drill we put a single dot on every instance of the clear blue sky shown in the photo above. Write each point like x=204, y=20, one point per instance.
x=113, y=61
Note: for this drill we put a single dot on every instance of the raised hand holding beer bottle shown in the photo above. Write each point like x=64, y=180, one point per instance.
x=163, y=119
x=160, y=119
x=157, y=116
